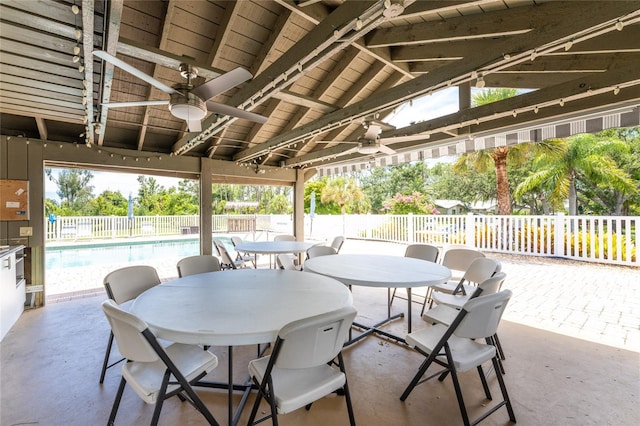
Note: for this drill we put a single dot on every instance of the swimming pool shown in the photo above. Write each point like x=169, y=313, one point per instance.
x=75, y=257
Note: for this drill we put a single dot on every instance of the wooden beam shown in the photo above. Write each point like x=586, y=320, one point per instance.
x=224, y=31
x=42, y=128
x=305, y=101
x=485, y=25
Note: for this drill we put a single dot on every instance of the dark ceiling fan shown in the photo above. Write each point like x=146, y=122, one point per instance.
x=187, y=102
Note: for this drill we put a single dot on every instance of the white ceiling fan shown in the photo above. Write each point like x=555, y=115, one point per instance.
x=371, y=142
x=187, y=102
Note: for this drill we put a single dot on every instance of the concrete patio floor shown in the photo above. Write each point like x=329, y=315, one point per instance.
x=563, y=366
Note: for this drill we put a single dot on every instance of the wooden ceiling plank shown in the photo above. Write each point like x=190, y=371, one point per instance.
x=38, y=76
x=35, y=104
x=35, y=38
x=554, y=29
x=42, y=86
x=34, y=112
x=69, y=70
x=21, y=96
x=8, y=85
x=58, y=21
x=35, y=52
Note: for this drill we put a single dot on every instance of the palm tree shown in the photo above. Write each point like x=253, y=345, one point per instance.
x=584, y=160
x=342, y=192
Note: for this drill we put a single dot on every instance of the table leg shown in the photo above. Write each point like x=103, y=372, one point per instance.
x=409, y=308
x=230, y=387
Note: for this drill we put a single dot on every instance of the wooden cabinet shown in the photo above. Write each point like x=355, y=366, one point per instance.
x=12, y=287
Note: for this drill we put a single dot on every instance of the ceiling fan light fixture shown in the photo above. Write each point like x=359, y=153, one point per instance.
x=369, y=148
x=187, y=107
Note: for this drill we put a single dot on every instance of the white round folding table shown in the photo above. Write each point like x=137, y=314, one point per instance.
x=274, y=247
x=373, y=270
x=236, y=307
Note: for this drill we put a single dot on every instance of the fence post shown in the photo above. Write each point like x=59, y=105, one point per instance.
x=470, y=229
x=411, y=238
x=559, y=237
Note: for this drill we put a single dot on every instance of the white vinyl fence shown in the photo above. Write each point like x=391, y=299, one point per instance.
x=605, y=239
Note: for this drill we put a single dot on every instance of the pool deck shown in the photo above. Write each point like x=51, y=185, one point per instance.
x=594, y=302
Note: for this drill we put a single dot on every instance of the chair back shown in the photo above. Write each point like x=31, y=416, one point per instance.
x=235, y=241
x=459, y=259
x=315, y=340
x=127, y=329
x=197, y=265
x=225, y=257
x=284, y=237
x=483, y=315
x=285, y=261
x=480, y=269
x=337, y=243
x=422, y=251
x=492, y=284
x=127, y=283
x=316, y=251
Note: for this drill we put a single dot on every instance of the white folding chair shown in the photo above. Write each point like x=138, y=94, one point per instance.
x=253, y=258
x=197, y=265
x=457, y=349
x=315, y=251
x=284, y=237
x=153, y=372
x=337, y=243
x=418, y=251
x=305, y=365
x=226, y=261
x=285, y=261
x=123, y=285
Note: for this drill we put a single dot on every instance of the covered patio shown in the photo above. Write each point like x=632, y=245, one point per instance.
x=560, y=369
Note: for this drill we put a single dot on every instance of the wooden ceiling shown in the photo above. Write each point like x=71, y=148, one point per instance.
x=321, y=69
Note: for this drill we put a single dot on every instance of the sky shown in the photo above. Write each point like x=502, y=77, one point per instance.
x=438, y=104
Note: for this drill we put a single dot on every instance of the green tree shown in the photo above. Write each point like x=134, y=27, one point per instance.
x=109, y=203
x=151, y=197
x=279, y=205
x=74, y=190
x=341, y=191
x=583, y=164
x=499, y=157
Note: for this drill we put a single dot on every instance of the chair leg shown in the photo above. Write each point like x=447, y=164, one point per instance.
x=116, y=402
x=485, y=386
x=423, y=368
x=160, y=398
x=105, y=363
x=503, y=389
x=456, y=386
x=499, y=346
x=256, y=405
x=347, y=395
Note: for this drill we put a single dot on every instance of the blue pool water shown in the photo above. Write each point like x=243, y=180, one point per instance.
x=69, y=257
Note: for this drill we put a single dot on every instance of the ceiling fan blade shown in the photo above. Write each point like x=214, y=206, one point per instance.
x=235, y=112
x=134, y=71
x=372, y=132
x=353, y=143
x=134, y=104
x=386, y=150
x=408, y=138
x=194, y=125
x=221, y=84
